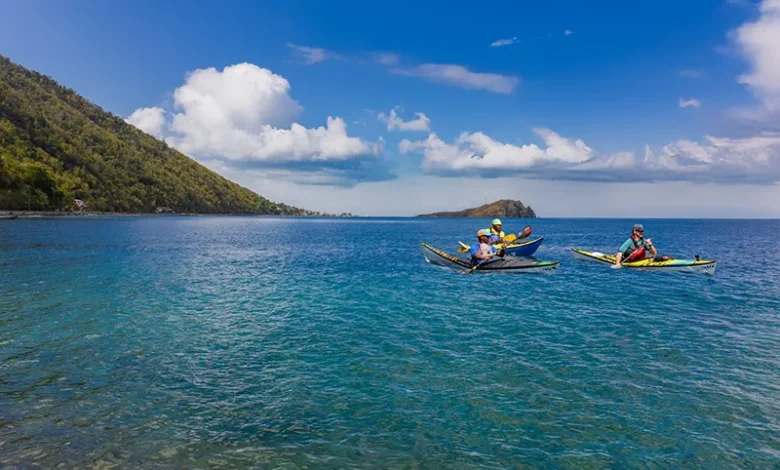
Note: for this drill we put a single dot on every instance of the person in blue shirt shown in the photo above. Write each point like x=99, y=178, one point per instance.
x=483, y=250
x=636, y=247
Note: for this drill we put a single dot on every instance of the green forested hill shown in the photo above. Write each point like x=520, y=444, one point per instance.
x=55, y=147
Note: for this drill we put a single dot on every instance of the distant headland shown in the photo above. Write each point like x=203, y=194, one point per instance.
x=501, y=208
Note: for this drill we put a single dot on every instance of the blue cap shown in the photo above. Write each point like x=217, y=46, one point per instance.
x=638, y=227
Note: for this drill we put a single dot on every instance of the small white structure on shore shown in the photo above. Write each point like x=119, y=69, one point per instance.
x=80, y=204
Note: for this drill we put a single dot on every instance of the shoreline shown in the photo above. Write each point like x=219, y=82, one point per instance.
x=11, y=215
x=6, y=214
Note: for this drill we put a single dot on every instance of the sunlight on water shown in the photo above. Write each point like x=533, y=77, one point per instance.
x=218, y=342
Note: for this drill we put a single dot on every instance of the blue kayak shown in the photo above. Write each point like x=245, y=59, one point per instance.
x=519, y=249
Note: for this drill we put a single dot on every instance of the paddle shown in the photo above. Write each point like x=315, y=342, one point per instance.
x=525, y=233
x=624, y=259
x=471, y=270
x=499, y=254
x=618, y=266
x=507, y=239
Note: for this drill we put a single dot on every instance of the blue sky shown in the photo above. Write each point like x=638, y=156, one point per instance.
x=560, y=104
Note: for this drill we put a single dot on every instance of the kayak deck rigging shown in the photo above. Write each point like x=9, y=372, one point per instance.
x=516, y=248
x=437, y=257
x=676, y=265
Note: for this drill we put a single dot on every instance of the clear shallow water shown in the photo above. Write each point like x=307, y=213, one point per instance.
x=217, y=342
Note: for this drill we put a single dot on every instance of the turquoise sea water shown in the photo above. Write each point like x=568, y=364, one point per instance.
x=221, y=342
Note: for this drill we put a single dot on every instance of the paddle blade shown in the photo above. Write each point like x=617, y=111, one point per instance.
x=478, y=265
x=463, y=248
x=525, y=233
x=510, y=238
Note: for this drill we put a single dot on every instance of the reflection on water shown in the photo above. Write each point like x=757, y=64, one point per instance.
x=218, y=342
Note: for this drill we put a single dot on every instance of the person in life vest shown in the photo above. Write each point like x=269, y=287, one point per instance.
x=483, y=250
x=494, y=233
x=636, y=247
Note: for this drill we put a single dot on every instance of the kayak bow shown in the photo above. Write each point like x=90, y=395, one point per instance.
x=674, y=265
x=513, y=265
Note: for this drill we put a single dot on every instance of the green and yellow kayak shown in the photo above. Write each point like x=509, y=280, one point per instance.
x=678, y=265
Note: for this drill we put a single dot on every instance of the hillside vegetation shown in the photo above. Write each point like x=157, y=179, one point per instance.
x=56, y=146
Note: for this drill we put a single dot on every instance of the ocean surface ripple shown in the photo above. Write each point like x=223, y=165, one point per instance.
x=228, y=342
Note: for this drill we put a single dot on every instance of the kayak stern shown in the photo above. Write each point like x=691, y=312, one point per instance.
x=507, y=265
x=673, y=265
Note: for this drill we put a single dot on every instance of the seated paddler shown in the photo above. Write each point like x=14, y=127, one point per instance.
x=482, y=250
x=494, y=233
x=636, y=247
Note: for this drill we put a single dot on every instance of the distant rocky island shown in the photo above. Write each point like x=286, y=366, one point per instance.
x=502, y=208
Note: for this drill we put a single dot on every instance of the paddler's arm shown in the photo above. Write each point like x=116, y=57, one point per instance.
x=623, y=248
x=649, y=244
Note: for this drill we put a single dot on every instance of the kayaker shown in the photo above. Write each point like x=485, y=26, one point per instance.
x=636, y=247
x=494, y=233
x=483, y=250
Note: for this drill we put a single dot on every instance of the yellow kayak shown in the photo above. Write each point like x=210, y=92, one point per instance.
x=678, y=265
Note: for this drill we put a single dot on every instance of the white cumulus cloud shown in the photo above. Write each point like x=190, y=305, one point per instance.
x=477, y=151
x=759, y=43
x=396, y=123
x=503, y=42
x=755, y=159
x=460, y=76
x=269, y=144
x=244, y=113
x=149, y=120
x=693, y=102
